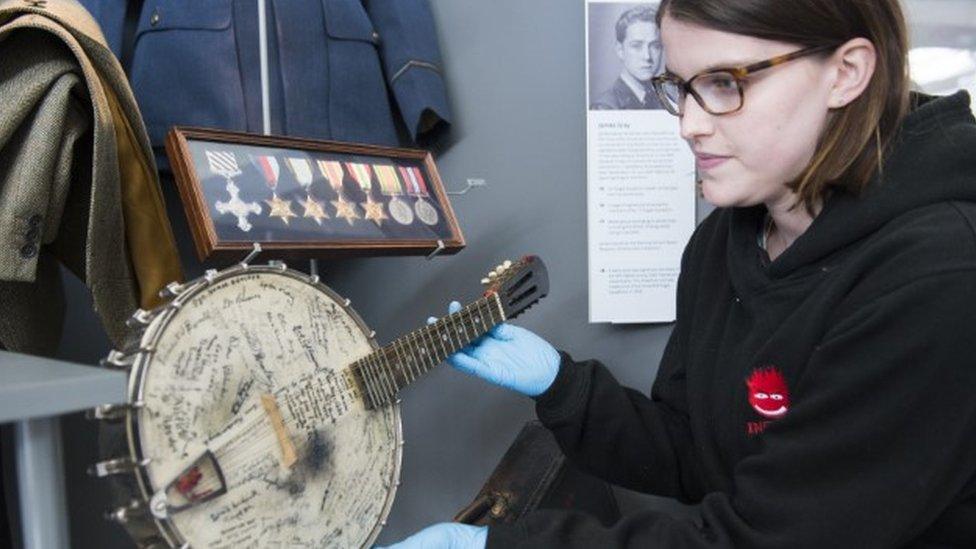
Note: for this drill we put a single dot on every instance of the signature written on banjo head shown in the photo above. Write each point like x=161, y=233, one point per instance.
x=262, y=413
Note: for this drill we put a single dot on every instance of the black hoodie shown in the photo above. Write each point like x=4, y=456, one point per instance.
x=824, y=399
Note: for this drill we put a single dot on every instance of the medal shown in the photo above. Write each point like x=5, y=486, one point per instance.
x=270, y=170
x=390, y=186
x=332, y=171
x=374, y=210
x=280, y=208
x=314, y=209
x=223, y=163
x=417, y=187
x=301, y=168
x=237, y=207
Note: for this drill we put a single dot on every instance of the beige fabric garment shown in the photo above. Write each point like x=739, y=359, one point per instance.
x=69, y=129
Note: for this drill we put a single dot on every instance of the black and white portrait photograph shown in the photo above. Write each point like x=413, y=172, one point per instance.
x=625, y=53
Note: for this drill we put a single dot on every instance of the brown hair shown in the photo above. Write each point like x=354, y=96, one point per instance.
x=852, y=147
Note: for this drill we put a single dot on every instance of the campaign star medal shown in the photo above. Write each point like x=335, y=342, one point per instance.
x=374, y=210
x=301, y=168
x=332, y=171
x=238, y=208
x=390, y=186
x=280, y=208
x=270, y=169
x=314, y=209
x=345, y=210
x=417, y=187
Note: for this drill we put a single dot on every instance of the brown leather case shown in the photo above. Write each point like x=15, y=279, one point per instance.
x=534, y=474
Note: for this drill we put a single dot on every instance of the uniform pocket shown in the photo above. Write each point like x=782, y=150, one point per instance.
x=359, y=107
x=347, y=20
x=185, y=67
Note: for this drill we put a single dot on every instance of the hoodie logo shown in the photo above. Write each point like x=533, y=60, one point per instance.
x=768, y=395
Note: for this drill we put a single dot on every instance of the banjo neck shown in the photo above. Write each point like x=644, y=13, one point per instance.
x=381, y=374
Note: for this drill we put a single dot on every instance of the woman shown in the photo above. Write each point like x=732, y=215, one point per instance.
x=818, y=389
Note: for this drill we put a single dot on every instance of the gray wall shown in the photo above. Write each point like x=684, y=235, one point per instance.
x=516, y=77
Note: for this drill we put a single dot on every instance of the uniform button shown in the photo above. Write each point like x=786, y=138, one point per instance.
x=28, y=251
x=737, y=300
x=376, y=37
x=35, y=220
x=154, y=18
x=32, y=234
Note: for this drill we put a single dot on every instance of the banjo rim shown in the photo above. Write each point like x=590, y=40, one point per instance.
x=150, y=334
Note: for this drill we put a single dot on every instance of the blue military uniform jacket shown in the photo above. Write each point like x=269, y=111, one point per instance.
x=365, y=71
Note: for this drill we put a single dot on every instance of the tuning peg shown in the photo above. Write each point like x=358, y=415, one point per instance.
x=485, y=281
x=492, y=275
x=507, y=264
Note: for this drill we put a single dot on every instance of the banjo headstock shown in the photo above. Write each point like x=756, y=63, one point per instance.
x=518, y=285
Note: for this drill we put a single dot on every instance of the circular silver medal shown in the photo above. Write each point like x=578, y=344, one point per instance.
x=400, y=211
x=426, y=212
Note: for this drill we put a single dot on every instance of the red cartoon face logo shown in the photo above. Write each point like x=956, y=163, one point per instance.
x=768, y=394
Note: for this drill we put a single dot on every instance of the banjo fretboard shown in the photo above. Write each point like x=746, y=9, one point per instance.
x=382, y=373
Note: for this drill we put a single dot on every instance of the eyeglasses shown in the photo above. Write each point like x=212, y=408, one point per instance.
x=718, y=91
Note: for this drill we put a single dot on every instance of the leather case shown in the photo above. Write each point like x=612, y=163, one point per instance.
x=534, y=474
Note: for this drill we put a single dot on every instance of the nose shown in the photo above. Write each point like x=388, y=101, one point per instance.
x=695, y=121
x=648, y=52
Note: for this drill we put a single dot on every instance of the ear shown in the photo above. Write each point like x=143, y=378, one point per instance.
x=854, y=64
x=619, y=48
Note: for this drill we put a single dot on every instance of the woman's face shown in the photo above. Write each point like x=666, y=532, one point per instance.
x=772, y=138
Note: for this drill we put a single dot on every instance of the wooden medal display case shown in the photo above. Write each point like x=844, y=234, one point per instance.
x=304, y=198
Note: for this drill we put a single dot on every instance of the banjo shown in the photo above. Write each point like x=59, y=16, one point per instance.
x=262, y=413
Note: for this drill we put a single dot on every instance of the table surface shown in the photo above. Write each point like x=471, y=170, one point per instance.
x=32, y=387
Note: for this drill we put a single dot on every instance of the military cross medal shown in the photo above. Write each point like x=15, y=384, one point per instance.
x=224, y=164
x=238, y=208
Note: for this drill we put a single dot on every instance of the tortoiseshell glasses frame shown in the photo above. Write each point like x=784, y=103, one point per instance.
x=719, y=91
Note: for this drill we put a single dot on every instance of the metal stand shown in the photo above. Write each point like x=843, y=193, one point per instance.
x=33, y=392
x=471, y=182
x=440, y=248
x=256, y=249
x=40, y=475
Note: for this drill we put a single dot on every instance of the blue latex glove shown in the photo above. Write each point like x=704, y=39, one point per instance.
x=509, y=356
x=446, y=535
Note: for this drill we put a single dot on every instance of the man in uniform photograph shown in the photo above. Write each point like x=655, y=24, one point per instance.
x=639, y=49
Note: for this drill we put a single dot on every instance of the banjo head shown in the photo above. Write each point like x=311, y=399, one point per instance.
x=245, y=430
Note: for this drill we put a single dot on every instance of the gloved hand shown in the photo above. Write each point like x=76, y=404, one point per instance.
x=509, y=356
x=446, y=535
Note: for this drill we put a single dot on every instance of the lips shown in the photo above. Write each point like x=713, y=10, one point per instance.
x=706, y=161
